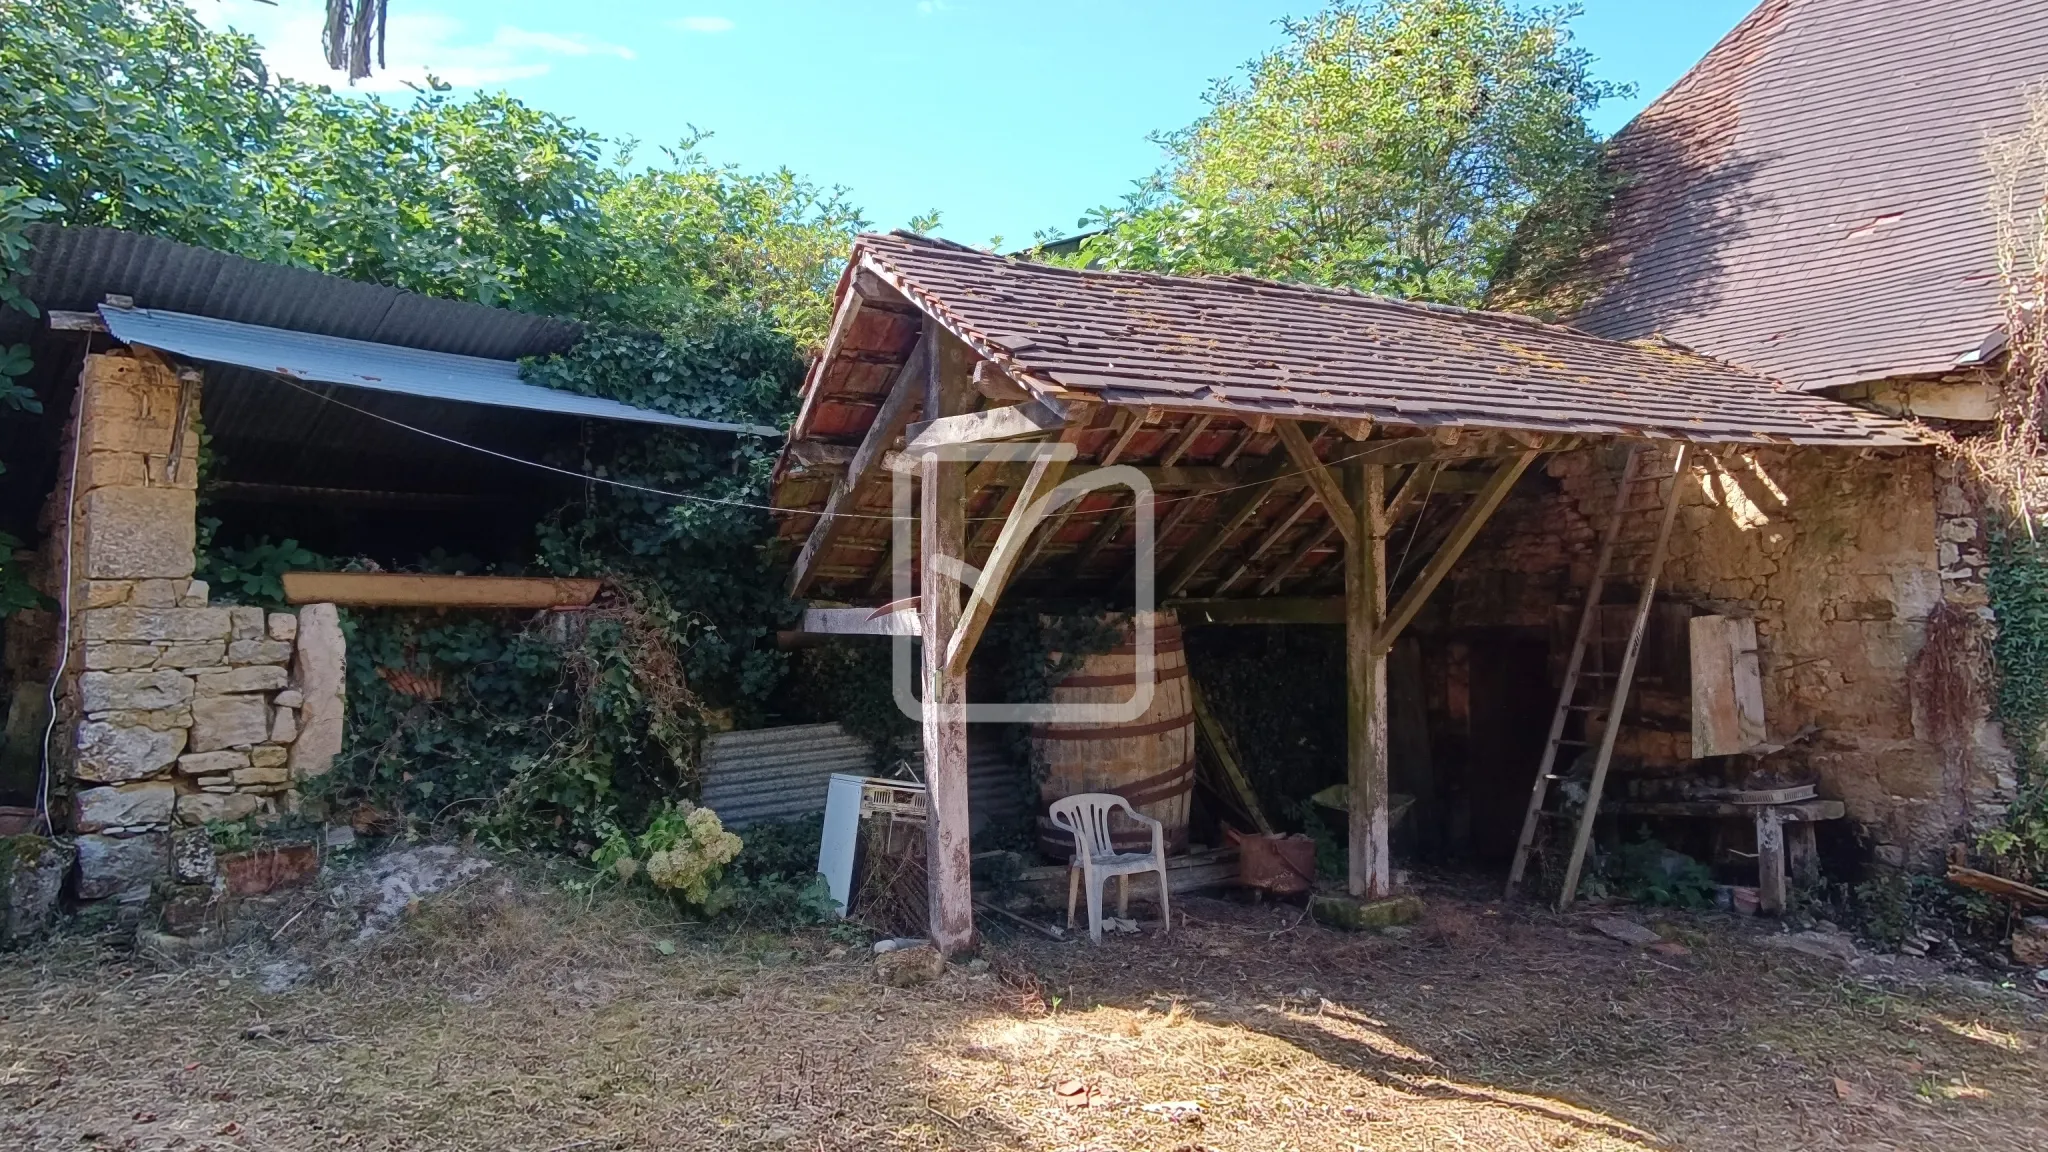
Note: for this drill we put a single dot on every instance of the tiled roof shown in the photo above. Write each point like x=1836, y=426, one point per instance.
x=1242, y=346
x=1813, y=199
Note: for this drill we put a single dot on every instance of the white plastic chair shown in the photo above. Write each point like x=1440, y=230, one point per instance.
x=1086, y=819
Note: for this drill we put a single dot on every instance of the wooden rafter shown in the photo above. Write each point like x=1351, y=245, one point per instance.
x=1002, y=562
x=1196, y=425
x=1106, y=532
x=1320, y=481
x=1240, y=508
x=1281, y=525
x=1279, y=575
x=1475, y=516
x=890, y=420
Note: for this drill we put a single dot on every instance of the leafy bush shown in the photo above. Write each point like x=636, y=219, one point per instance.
x=683, y=851
x=1647, y=872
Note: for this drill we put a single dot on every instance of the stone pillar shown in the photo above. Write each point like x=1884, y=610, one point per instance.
x=183, y=711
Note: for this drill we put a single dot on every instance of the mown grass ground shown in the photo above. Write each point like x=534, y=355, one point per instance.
x=511, y=1014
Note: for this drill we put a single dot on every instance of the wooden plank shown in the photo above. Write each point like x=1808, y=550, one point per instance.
x=1010, y=473
x=1998, y=886
x=1320, y=481
x=412, y=590
x=888, y=620
x=997, y=384
x=942, y=533
x=1260, y=610
x=1474, y=518
x=1727, y=686
x=1281, y=526
x=1370, y=872
x=1030, y=418
x=890, y=419
x=1803, y=811
x=1226, y=757
x=75, y=321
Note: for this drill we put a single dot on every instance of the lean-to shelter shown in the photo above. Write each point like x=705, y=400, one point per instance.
x=1285, y=431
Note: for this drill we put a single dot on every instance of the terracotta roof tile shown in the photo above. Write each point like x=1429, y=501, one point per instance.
x=1237, y=344
x=1812, y=199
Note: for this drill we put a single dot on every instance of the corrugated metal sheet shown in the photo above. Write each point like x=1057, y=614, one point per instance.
x=781, y=773
x=377, y=367
x=75, y=269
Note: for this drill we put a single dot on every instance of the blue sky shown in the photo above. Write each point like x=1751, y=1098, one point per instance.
x=1006, y=115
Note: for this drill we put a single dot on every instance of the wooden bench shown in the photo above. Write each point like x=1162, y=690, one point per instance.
x=1784, y=836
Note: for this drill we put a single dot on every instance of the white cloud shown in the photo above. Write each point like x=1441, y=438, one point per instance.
x=709, y=25
x=927, y=7
x=419, y=44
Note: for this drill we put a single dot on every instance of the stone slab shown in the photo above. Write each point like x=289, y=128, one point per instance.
x=134, y=691
x=134, y=533
x=199, y=808
x=254, y=678
x=259, y=652
x=229, y=721
x=192, y=858
x=212, y=763
x=32, y=871
x=320, y=669
x=131, y=807
x=1355, y=914
x=128, y=623
x=114, y=866
x=110, y=753
x=283, y=626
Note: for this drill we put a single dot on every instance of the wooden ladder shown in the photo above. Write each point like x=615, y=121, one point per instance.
x=1634, y=474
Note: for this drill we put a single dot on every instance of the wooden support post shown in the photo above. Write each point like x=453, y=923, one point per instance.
x=1802, y=854
x=942, y=533
x=1770, y=862
x=1365, y=680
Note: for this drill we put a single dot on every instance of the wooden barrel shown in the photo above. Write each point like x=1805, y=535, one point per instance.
x=1149, y=761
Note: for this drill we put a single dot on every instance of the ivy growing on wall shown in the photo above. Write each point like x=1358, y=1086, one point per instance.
x=2018, y=580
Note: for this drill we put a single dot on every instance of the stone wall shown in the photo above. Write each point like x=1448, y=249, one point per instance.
x=1839, y=556
x=184, y=713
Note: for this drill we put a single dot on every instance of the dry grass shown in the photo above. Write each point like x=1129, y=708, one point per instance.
x=510, y=1015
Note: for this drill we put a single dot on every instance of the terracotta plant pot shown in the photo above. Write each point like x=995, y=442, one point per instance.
x=1281, y=865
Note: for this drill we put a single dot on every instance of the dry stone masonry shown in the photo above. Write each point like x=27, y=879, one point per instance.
x=185, y=713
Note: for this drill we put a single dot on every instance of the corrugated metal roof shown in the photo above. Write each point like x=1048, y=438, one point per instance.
x=781, y=773
x=75, y=269
x=1813, y=199
x=377, y=367
x=1236, y=345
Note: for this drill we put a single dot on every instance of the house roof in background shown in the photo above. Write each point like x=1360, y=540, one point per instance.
x=1812, y=200
x=75, y=269
x=1245, y=347
x=376, y=367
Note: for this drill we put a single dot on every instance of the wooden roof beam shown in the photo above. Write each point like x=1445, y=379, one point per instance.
x=1273, y=535
x=1234, y=514
x=1467, y=529
x=1320, y=481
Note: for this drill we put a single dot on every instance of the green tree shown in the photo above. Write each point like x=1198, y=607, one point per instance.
x=1390, y=146
x=134, y=115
